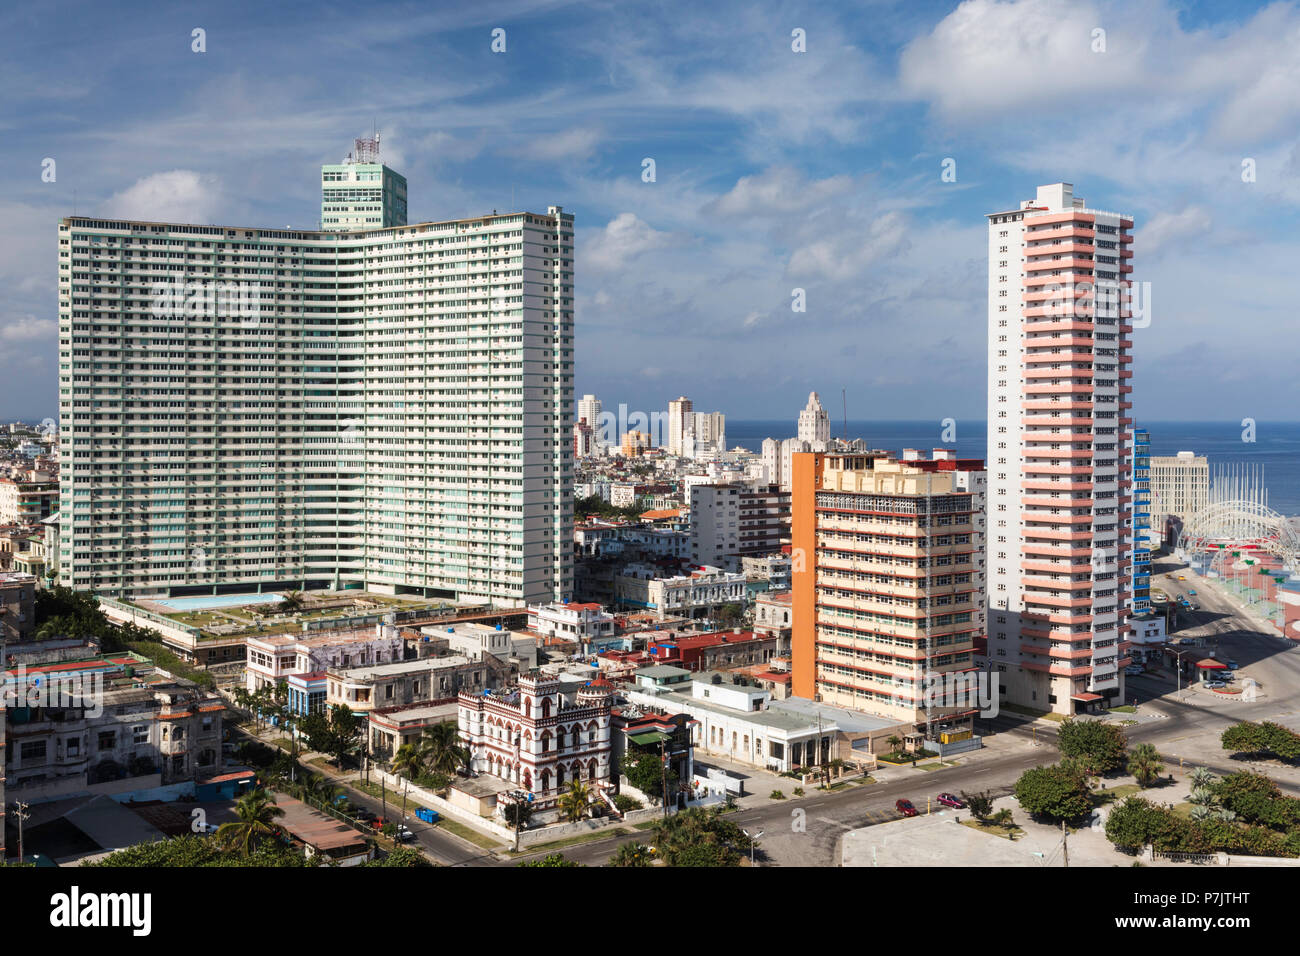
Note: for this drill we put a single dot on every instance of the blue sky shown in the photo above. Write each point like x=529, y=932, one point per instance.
x=774, y=170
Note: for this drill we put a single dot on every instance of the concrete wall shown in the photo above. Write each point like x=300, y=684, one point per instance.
x=490, y=827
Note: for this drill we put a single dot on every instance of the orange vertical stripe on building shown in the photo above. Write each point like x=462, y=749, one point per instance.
x=806, y=469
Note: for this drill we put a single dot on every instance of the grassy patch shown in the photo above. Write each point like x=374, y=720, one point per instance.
x=1115, y=794
x=1124, y=709
x=937, y=765
x=1006, y=833
x=467, y=833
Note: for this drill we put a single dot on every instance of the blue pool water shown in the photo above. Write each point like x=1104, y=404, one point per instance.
x=203, y=602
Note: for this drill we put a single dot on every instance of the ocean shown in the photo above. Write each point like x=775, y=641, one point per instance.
x=1276, y=445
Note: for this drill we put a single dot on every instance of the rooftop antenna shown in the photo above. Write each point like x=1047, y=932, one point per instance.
x=366, y=149
x=844, y=396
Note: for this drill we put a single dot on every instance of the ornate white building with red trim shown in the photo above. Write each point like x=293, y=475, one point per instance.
x=540, y=738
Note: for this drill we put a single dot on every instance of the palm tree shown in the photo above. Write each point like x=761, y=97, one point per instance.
x=316, y=787
x=1003, y=818
x=894, y=743
x=631, y=854
x=411, y=759
x=573, y=802
x=1144, y=764
x=257, y=812
x=1201, y=777
x=292, y=601
x=442, y=750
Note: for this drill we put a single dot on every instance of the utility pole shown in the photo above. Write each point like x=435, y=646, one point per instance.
x=663, y=766
x=22, y=815
x=1065, y=844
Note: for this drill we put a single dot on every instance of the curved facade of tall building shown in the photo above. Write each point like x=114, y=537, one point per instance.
x=248, y=408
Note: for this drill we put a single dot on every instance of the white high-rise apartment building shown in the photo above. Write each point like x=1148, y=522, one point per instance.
x=680, y=424
x=1059, y=451
x=815, y=422
x=388, y=409
x=589, y=407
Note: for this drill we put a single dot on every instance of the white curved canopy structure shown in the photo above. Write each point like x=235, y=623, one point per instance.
x=1239, y=523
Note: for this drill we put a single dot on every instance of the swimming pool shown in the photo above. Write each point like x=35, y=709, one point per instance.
x=204, y=602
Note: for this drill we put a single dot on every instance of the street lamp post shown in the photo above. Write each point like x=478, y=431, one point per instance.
x=753, y=841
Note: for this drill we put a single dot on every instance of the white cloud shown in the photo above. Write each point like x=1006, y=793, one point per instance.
x=844, y=254
x=625, y=237
x=28, y=328
x=1166, y=228
x=578, y=143
x=180, y=195
x=778, y=190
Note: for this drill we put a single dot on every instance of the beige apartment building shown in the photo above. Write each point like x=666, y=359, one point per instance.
x=888, y=586
x=1180, y=484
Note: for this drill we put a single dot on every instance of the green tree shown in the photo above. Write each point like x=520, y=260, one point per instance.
x=1133, y=824
x=257, y=813
x=443, y=751
x=1245, y=738
x=200, y=851
x=632, y=854
x=1099, y=747
x=573, y=802
x=334, y=734
x=1054, y=791
x=403, y=856
x=518, y=813
x=410, y=760
x=980, y=804
x=292, y=601
x=699, y=837
x=554, y=859
x=1144, y=764
x=644, y=770
x=1257, y=799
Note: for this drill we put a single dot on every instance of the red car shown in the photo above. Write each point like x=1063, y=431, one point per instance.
x=948, y=800
x=905, y=808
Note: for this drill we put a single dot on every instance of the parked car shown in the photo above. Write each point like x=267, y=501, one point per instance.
x=1191, y=591
x=905, y=808
x=364, y=815
x=1214, y=684
x=948, y=800
x=404, y=834
x=1133, y=670
x=1182, y=577
x=1232, y=665
x=1188, y=640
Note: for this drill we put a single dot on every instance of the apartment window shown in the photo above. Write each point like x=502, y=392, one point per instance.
x=107, y=740
x=72, y=746
x=140, y=734
x=32, y=750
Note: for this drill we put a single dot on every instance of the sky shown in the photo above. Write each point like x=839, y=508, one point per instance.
x=774, y=170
